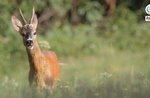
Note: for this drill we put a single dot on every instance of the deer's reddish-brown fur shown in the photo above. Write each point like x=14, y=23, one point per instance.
x=44, y=67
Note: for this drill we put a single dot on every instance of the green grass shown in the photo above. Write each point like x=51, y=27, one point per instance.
x=109, y=74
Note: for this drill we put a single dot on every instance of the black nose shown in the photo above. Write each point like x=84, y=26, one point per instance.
x=29, y=42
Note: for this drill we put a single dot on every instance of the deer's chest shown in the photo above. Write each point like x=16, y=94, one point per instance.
x=41, y=76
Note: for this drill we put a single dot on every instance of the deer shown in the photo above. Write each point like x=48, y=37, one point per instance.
x=44, y=67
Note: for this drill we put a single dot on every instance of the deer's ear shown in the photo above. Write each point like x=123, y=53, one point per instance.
x=16, y=23
x=34, y=20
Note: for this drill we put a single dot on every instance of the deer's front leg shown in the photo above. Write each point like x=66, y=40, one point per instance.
x=31, y=78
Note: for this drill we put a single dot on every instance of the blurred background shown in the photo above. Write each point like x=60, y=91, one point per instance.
x=103, y=47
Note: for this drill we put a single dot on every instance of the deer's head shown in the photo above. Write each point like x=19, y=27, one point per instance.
x=26, y=29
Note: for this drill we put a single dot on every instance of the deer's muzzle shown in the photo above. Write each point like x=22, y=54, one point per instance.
x=29, y=43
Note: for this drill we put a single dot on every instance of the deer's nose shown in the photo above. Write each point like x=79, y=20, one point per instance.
x=29, y=42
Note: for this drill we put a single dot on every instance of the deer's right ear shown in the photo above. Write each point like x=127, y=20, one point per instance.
x=16, y=23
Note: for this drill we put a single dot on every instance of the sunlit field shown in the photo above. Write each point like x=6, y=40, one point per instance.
x=108, y=75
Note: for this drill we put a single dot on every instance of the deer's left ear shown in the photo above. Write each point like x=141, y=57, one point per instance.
x=34, y=20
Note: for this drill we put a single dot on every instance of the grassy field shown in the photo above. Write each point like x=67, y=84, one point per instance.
x=108, y=75
x=107, y=72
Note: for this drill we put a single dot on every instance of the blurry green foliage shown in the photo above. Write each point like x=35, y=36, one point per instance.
x=93, y=11
x=122, y=30
x=117, y=43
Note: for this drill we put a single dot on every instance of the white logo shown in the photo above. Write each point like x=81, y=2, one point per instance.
x=147, y=9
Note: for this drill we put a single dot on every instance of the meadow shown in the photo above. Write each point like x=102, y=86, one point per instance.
x=108, y=58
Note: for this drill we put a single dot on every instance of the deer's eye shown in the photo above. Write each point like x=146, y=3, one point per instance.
x=23, y=34
x=34, y=33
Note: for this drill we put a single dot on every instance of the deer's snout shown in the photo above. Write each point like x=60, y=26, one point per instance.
x=29, y=42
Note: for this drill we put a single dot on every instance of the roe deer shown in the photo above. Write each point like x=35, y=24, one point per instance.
x=44, y=67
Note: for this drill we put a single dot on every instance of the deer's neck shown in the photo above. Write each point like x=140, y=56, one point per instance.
x=35, y=57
